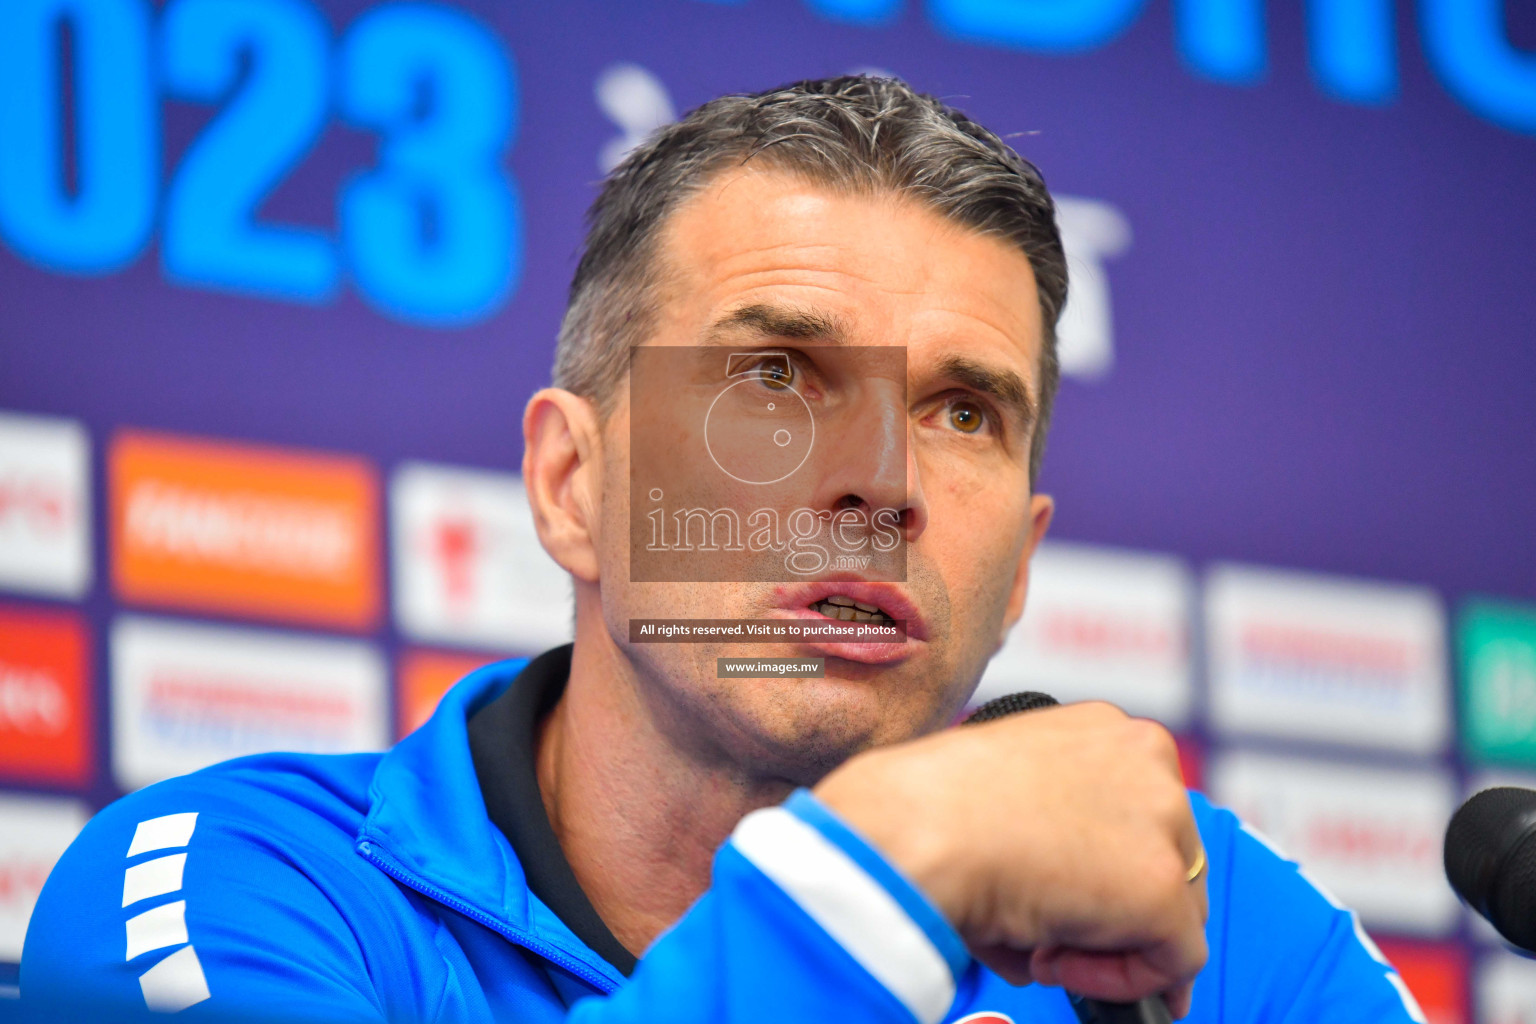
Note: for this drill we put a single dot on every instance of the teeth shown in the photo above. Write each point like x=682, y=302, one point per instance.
x=846, y=602
x=848, y=613
x=861, y=606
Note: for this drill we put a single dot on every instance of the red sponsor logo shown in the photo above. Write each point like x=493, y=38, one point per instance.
x=985, y=1017
x=46, y=506
x=22, y=879
x=45, y=720
x=457, y=543
x=1365, y=841
x=246, y=697
x=1082, y=631
x=1382, y=660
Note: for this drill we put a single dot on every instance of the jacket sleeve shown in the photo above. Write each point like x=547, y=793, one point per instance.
x=1291, y=952
x=804, y=921
x=153, y=899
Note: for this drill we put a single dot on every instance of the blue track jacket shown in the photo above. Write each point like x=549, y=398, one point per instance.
x=313, y=889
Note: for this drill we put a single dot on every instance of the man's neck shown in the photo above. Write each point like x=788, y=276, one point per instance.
x=639, y=820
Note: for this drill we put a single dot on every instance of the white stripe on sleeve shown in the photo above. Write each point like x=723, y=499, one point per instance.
x=163, y=833
x=153, y=878
x=851, y=907
x=174, y=983
x=157, y=928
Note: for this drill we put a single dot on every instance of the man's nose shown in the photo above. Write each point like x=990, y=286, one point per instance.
x=868, y=463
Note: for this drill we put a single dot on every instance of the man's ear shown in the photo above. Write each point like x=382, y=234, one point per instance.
x=1041, y=508
x=562, y=470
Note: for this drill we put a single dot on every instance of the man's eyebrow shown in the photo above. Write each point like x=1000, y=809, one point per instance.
x=1007, y=387
x=772, y=321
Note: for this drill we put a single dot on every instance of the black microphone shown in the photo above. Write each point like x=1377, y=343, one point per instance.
x=1152, y=1009
x=1490, y=860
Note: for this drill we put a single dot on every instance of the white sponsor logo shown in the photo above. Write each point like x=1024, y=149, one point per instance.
x=186, y=696
x=252, y=531
x=1322, y=658
x=1101, y=624
x=1374, y=836
x=1092, y=232
x=469, y=568
x=45, y=522
x=1506, y=990
x=636, y=102
x=34, y=832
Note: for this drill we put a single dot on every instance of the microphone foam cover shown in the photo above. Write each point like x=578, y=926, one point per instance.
x=1490, y=860
x=1010, y=704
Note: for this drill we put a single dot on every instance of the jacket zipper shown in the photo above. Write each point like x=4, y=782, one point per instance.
x=376, y=857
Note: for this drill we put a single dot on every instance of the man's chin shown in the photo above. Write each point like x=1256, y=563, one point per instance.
x=801, y=729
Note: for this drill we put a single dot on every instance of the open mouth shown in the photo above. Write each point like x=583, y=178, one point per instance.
x=846, y=609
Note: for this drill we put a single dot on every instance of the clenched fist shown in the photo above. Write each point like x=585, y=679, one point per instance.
x=1058, y=843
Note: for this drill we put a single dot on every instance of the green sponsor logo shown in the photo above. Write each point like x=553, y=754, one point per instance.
x=1497, y=644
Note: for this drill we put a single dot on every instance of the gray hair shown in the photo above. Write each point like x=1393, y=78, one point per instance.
x=856, y=133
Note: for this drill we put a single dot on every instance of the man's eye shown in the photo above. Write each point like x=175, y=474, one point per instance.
x=777, y=374
x=966, y=417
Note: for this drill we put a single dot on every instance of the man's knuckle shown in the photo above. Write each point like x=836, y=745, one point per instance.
x=1154, y=739
x=1099, y=712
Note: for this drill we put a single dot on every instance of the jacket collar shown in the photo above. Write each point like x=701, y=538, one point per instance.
x=427, y=818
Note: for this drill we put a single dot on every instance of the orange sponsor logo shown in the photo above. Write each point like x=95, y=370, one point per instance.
x=424, y=677
x=249, y=530
x=45, y=707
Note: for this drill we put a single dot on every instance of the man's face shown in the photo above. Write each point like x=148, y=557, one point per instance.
x=762, y=262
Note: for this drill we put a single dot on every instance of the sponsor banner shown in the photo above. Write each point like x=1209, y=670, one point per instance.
x=185, y=696
x=468, y=565
x=1191, y=762
x=46, y=730
x=1436, y=974
x=1506, y=990
x=1496, y=645
x=1325, y=658
x=1102, y=624
x=45, y=505
x=34, y=833
x=1373, y=836
x=424, y=676
x=265, y=532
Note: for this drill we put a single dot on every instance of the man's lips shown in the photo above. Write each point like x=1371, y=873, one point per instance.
x=797, y=601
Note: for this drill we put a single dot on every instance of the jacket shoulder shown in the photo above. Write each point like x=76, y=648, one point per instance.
x=228, y=889
x=1283, y=947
